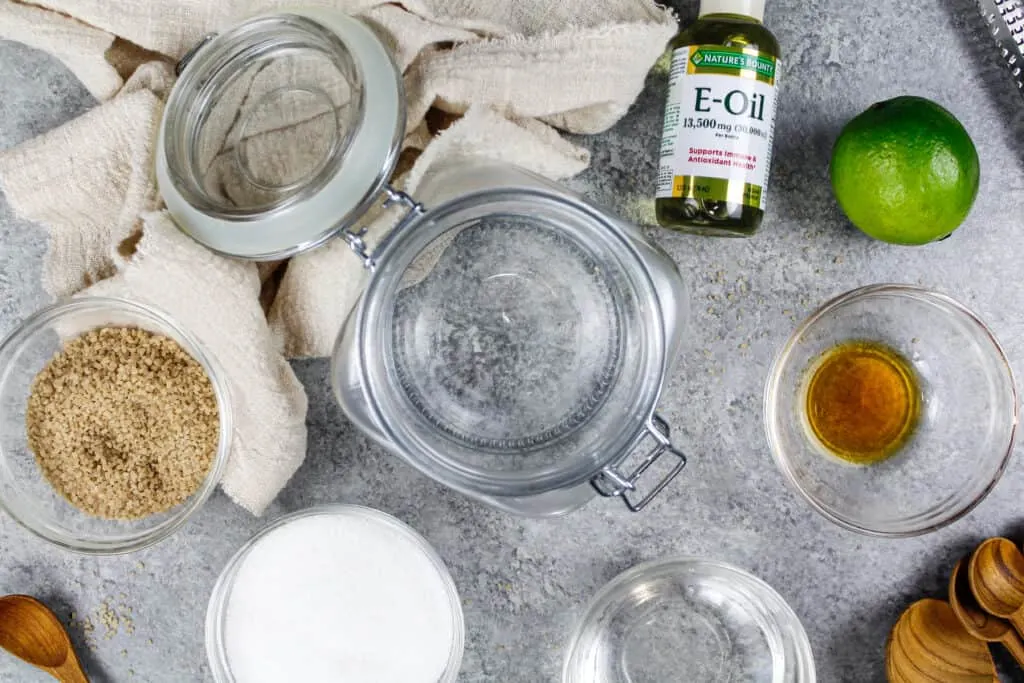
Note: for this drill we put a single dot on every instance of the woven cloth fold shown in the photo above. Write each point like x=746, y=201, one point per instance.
x=79, y=46
x=510, y=74
x=208, y=295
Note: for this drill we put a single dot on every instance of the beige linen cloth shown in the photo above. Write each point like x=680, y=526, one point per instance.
x=511, y=74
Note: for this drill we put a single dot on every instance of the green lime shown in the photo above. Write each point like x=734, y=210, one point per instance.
x=905, y=171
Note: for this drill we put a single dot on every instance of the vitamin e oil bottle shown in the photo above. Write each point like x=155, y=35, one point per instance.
x=716, y=144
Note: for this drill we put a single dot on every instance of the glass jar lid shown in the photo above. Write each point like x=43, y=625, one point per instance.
x=280, y=133
x=512, y=341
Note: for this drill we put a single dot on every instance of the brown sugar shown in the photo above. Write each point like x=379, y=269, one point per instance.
x=123, y=423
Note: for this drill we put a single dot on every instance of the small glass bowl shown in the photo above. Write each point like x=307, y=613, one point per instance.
x=964, y=434
x=216, y=613
x=24, y=493
x=688, y=619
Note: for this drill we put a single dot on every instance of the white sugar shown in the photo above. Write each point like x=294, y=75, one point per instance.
x=338, y=597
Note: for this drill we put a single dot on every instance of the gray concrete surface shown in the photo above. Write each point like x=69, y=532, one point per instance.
x=525, y=582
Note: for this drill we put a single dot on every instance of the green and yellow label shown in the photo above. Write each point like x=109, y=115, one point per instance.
x=731, y=61
x=714, y=189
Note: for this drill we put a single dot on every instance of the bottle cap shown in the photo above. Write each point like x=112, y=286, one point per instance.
x=749, y=8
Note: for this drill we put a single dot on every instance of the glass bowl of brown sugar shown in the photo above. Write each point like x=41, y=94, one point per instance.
x=115, y=425
x=892, y=410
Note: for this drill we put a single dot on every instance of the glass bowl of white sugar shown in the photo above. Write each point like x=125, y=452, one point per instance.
x=337, y=593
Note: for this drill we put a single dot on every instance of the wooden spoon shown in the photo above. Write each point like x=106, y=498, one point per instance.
x=979, y=623
x=996, y=577
x=892, y=674
x=928, y=643
x=30, y=631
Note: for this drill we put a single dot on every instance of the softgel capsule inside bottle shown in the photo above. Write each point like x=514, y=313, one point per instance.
x=716, y=144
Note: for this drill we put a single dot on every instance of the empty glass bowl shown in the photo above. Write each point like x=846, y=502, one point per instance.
x=687, y=619
x=24, y=493
x=965, y=429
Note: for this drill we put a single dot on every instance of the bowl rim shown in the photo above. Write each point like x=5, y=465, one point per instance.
x=213, y=369
x=794, y=631
x=782, y=359
x=216, y=610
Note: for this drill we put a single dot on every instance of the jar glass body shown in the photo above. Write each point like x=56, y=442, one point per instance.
x=665, y=303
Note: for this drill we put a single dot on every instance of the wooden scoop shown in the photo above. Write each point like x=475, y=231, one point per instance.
x=928, y=644
x=979, y=623
x=892, y=674
x=30, y=631
x=996, y=577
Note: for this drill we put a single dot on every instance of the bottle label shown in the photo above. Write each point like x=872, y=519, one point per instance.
x=719, y=124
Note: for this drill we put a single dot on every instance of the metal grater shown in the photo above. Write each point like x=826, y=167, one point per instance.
x=1006, y=21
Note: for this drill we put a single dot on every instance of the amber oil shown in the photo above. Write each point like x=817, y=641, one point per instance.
x=863, y=402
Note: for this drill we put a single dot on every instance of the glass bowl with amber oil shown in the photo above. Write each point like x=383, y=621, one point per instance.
x=892, y=410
